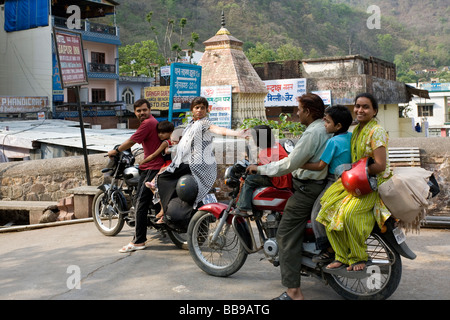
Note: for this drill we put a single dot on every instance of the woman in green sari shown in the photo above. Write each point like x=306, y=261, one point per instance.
x=350, y=219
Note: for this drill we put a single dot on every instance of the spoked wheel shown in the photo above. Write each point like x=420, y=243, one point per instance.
x=106, y=214
x=383, y=274
x=221, y=258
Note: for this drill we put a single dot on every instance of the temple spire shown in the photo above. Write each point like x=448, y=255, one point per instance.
x=223, y=30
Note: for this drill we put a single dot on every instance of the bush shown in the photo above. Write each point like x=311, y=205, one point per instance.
x=281, y=127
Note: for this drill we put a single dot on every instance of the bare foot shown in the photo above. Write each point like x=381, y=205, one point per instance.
x=335, y=264
x=295, y=293
x=359, y=266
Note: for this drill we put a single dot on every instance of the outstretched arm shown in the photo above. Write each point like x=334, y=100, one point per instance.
x=227, y=132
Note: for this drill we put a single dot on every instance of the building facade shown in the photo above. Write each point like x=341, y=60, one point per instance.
x=432, y=113
x=29, y=67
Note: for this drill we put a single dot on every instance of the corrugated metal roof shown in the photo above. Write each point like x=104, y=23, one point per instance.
x=22, y=134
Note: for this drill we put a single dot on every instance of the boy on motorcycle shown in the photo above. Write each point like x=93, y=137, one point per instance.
x=269, y=151
x=337, y=120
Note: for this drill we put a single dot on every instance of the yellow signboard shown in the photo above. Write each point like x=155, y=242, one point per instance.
x=158, y=97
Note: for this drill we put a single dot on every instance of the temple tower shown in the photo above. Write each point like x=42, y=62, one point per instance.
x=224, y=63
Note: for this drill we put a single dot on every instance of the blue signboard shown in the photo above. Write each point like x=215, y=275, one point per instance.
x=185, y=83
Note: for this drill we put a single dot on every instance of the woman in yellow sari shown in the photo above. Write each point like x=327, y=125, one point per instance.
x=350, y=219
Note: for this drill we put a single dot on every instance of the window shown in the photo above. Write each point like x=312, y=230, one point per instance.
x=425, y=110
x=98, y=57
x=98, y=95
x=128, y=96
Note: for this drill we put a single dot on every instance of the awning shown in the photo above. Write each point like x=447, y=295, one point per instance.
x=417, y=92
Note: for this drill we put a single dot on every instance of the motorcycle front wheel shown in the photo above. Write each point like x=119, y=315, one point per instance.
x=383, y=274
x=222, y=258
x=107, y=214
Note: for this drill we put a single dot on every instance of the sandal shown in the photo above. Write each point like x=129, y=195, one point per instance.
x=283, y=296
x=130, y=248
x=336, y=268
x=160, y=221
x=325, y=257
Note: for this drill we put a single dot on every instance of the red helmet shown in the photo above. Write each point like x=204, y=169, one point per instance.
x=357, y=180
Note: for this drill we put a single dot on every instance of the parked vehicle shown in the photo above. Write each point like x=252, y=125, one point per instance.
x=114, y=203
x=219, y=243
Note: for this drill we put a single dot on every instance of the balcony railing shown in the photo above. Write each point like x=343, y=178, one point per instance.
x=101, y=67
x=86, y=25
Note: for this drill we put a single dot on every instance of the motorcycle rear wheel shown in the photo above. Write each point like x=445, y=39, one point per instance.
x=107, y=214
x=383, y=274
x=179, y=239
x=222, y=258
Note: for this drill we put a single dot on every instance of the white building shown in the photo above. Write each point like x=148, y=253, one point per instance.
x=434, y=111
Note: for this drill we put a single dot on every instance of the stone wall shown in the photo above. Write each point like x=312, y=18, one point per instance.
x=51, y=179
x=47, y=179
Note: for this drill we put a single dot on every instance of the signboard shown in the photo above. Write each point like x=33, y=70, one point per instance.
x=185, y=82
x=325, y=95
x=158, y=97
x=219, y=98
x=283, y=92
x=58, y=92
x=69, y=51
x=23, y=104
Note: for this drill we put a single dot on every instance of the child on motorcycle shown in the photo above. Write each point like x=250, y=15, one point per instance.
x=165, y=130
x=269, y=151
x=337, y=120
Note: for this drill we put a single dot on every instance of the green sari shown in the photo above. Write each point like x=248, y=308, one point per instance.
x=348, y=219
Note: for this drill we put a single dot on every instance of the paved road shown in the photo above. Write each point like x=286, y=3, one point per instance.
x=41, y=264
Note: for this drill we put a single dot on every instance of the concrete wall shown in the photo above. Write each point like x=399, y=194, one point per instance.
x=50, y=179
x=26, y=62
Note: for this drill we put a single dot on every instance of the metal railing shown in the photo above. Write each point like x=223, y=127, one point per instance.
x=86, y=25
x=101, y=67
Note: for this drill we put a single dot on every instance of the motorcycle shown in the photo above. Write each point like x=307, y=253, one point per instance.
x=114, y=203
x=219, y=243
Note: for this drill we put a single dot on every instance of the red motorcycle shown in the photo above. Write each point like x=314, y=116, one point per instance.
x=219, y=243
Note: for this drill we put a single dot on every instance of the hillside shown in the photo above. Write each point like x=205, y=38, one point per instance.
x=319, y=27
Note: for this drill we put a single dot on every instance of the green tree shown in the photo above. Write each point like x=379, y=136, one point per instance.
x=289, y=52
x=385, y=42
x=261, y=52
x=139, y=58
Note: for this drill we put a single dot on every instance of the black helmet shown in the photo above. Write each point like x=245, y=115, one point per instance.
x=187, y=188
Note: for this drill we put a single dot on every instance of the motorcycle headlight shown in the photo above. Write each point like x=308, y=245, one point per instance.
x=131, y=176
x=230, y=178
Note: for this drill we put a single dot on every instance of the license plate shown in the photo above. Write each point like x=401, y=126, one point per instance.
x=399, y=235
x=209, y=198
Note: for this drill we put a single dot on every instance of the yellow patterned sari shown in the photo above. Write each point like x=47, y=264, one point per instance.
x=348, y=219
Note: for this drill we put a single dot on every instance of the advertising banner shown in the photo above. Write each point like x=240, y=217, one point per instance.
x=69, y=50
x=219, y=98
x=283, y=92
x=158, y=97
x=23, y=104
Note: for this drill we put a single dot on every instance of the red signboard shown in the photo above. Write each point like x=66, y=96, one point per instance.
x=69, y=50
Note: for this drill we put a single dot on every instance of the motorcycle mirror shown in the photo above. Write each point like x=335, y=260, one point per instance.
x=289, y=145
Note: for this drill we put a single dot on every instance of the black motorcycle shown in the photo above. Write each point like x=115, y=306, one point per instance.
x=114, y=203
